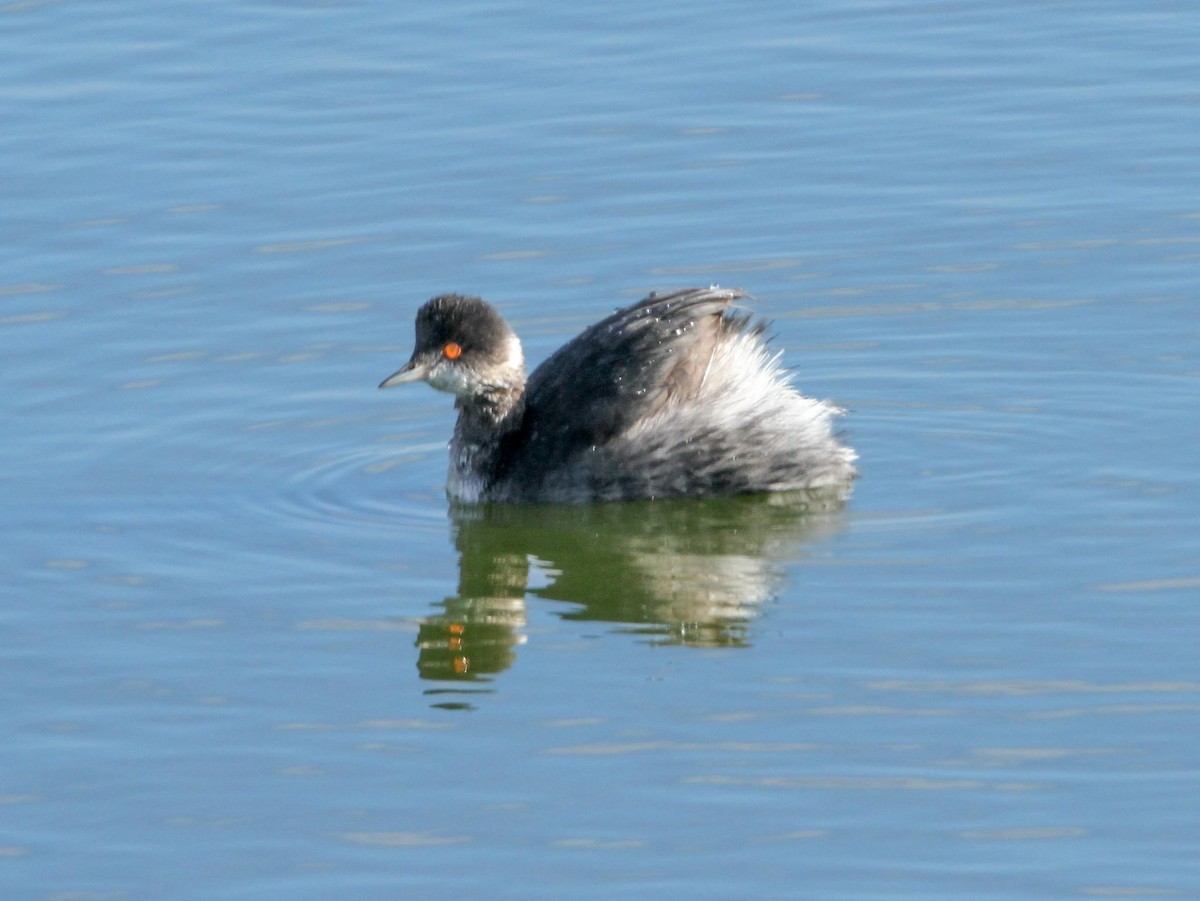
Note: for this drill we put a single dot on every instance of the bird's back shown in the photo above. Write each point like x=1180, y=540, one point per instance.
x=671, y=396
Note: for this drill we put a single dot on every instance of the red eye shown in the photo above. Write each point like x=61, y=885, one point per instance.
x=452, y=351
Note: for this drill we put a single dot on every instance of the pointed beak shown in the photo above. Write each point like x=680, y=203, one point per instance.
x=412, y=371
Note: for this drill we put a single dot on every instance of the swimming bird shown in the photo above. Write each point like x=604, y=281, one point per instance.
x=675, y=395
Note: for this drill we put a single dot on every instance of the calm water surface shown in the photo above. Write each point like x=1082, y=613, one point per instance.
x=250, y=652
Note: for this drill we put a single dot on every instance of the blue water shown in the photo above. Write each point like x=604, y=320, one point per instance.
x=250, y=653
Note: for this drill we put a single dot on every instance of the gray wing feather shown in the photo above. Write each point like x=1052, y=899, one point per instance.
x=616, y=372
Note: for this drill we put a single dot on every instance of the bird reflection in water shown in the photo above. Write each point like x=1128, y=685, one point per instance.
x=689, y=572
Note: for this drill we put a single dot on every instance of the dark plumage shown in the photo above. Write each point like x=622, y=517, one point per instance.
x=673, y=395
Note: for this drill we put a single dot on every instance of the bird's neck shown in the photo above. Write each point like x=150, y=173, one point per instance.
x=483, y=422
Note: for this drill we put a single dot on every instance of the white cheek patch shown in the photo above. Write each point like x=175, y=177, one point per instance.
x=465, y=381
x=514, y=359
x=451, y=379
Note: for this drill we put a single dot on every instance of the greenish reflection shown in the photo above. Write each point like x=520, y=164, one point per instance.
x=691, y=572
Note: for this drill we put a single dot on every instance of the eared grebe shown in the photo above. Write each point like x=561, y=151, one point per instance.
x=672, y=396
